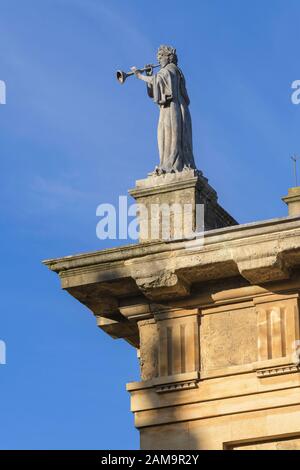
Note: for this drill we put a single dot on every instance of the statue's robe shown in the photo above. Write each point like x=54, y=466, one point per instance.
x=174, y=127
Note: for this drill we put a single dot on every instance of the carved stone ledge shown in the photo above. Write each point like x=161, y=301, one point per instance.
x=264, y=268
x=127, y=282
x=175, y=387
x=167, y=383
x=120, y=329
x=97, y=298
x=163, y=286
x=289, y=369
x=108, y=316
x=137, y=312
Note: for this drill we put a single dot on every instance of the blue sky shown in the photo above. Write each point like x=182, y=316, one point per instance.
x=71, y=138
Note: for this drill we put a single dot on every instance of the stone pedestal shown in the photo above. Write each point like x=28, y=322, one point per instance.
x=178, y=204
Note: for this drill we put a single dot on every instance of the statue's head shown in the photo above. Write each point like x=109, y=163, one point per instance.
x=166, y=55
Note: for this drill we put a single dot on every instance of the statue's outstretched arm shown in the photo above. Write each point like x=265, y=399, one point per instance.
x=139, y=75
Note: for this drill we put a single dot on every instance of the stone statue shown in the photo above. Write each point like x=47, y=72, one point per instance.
x=167, y=88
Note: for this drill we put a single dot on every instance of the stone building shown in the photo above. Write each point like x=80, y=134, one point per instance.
x=215, y=323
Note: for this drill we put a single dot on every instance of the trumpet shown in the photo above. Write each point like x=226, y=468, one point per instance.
x=121, y=76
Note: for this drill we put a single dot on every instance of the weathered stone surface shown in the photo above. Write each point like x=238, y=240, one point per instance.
x=292, y=443
x=228, y=338
x=180, y=193
x=217, y=327
x=120, y=328
x=259, y=266
x=163, y=285
x=293, y=200
x=227, y=252
x=148, y=349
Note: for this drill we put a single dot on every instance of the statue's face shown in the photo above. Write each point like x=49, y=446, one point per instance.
x=162, y=59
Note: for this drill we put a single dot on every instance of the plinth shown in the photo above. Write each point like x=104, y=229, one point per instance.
x=185, y=200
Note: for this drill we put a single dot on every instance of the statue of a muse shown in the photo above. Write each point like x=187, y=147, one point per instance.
x=168, y=90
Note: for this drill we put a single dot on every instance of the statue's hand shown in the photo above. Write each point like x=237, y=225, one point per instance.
x=149, y=70
x=136, y=71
